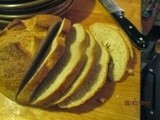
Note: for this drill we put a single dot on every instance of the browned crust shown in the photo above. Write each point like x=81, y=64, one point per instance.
x=46, y=20
x=25, y=95
x=16, y=24
x=10, y=86
x=12, y=73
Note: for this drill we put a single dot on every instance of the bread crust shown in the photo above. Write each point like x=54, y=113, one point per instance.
x=46, y=20
x=19, y=42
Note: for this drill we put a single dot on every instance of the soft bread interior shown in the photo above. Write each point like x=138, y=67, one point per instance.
x=117, y=47
x=86, y=71
x=93, y=83
x=65, y=70
x=125, y=38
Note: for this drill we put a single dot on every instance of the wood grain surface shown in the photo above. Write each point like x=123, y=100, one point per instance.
x=119, y=96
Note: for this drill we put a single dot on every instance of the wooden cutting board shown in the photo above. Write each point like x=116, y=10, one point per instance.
x=119, y=96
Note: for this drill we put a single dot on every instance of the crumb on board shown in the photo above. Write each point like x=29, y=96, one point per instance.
x=129, y=70
x=101, y=100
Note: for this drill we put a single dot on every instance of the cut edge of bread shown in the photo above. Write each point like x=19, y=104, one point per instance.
x=50, y=59
x=125, y=38
x=66, y=70
x=93, y=83
x=85, y=72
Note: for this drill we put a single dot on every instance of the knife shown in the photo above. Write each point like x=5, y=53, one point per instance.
x=150, y=87
x=139, y=40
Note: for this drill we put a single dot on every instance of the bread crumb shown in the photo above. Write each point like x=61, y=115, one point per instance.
x=101, y=100
x=130, y=71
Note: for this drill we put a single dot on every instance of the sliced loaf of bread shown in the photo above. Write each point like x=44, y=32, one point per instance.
x=86, y=71
x=54, y=52
x=66, y=69
x=117, y=47
x=94, y=81
x=19, y=46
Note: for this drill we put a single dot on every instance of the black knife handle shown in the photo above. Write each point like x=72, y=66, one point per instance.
x=150, y=89
x=138, y=39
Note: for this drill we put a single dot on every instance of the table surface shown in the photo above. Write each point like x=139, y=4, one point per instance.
x=117, y=95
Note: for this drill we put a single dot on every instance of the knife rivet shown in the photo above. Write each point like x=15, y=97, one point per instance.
x=151, y=112
x=121, y=16
x=140, y=38
x=130, y=27
x=144, y=45
x=151, y=70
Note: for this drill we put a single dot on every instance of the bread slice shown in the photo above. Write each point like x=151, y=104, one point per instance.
x=85, y=72
x=117, y=47
x=93, y=83
x=130, y=48
x=46, y=64
x=126, y=39
x=19, y=46
x=66, y=69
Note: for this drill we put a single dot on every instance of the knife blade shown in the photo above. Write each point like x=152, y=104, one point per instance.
x=138, y=39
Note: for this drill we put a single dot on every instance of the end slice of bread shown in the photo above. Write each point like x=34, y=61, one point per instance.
x=93, y=83
x=85, y=72
x=117, y=47
x=19, y=45
x=66, y=69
